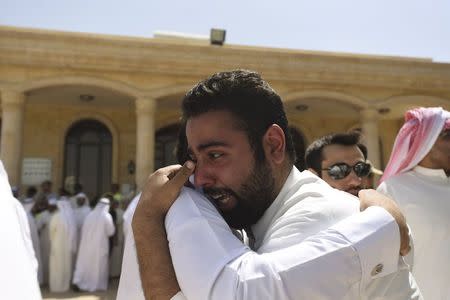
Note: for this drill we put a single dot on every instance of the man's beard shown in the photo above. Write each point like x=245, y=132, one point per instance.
x=254, y=196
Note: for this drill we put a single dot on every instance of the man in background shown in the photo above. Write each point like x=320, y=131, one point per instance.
x=340, y=160
x=417, y=177
x=91, y=270
x=81, y=211
x=46, y=190
x=63, y=245
x=29, y=200
x=43, y=211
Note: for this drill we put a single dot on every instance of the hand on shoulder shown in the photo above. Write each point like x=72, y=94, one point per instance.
x=373, y=198
x=161, y=190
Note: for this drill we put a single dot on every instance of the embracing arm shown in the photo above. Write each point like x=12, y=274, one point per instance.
x=212, y=264
x=155, y=265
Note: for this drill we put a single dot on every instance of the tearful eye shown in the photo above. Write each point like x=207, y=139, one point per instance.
x=215, y=155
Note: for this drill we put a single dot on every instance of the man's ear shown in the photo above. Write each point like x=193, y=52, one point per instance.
x=274, y=144
x=313, y=171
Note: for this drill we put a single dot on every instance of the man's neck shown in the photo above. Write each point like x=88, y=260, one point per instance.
x=281, y=177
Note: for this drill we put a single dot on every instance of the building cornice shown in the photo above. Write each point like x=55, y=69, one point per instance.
x=80, y=51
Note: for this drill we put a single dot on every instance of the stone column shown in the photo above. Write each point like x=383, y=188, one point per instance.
x=12, y=133
x=369, y=121
x=145, y=139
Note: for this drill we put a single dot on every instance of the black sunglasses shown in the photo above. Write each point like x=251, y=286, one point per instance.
x=342, y=170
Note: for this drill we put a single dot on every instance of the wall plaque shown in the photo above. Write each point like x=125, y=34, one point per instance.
x=36, y=170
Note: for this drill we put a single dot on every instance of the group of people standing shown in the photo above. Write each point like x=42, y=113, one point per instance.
x=75, y=245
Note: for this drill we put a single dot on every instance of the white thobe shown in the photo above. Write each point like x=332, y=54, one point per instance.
x=18, y=271
x=65, y=207
x=299, y=255
x=128, y=215
x=28, y=204
x=43, y=225
x=424, y=196
x=81, y=213
x=91, y=269
x=36, y=246
x=115, y=261
x=61, y=248
x=73, y=200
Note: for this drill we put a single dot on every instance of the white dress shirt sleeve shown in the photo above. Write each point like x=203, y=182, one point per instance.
x=409, y=258
x=367, y=231
x=211, y=263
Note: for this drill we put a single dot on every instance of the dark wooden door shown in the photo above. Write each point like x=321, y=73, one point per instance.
x=88, y=157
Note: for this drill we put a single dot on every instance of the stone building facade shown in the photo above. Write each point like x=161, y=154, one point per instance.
x=101, y=109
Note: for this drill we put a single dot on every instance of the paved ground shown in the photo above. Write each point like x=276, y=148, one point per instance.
x=108, y=295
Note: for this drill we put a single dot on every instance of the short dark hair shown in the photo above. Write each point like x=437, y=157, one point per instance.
x=249, y=98
x=46, y=182
x=313, y=154
x=31, y=191
x=77, y=188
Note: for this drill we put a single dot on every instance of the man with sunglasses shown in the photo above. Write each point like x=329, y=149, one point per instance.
x=340, y=160
x=417, y=178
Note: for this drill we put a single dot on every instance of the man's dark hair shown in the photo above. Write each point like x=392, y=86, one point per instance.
x=77, y=188
x=249, y=98
x=31, y=192
x=363, y=149
x=313, y=154
x=46, y=182
x=63, y=192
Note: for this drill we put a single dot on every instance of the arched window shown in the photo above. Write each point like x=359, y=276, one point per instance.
x=88, y=157
x=165, y=140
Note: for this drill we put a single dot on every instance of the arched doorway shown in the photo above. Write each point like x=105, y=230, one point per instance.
x=88, y=156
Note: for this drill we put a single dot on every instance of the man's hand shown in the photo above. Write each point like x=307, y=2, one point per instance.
x=161, y=190
x=155, y=265
x=373, y=198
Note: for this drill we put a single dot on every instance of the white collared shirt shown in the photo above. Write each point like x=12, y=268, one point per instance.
x=307, y=249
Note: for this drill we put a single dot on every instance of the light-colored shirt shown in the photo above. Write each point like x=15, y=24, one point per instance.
x=128, y=214
x=61, y=255
x=36, y=246
x=307, y=248
x=91, y=269
x=424, y=196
